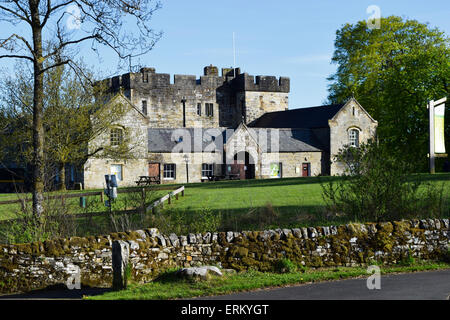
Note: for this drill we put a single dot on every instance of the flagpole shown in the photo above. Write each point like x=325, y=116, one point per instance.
x=234, y=57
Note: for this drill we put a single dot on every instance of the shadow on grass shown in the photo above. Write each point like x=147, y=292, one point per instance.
x=260, y=183
x=58, y=291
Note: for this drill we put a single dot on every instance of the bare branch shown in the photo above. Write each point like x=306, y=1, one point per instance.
x=25, y=18
x=51, y=9
x=16, y=56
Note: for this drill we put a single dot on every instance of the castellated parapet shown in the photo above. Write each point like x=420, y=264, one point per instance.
x=212, y=100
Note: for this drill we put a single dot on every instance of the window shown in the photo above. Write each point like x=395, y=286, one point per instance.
x=117, y=170
x=209, y=109
x=169, y=171
x=353, y=137
x=207, y=170
x=144, y=107
x=116, y=136
x=199, y=109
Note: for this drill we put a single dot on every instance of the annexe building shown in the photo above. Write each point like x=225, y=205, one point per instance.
x=230, y=126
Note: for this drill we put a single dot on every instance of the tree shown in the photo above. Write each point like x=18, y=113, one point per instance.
x=73, y=118
x=393, y=71
x=47, y=35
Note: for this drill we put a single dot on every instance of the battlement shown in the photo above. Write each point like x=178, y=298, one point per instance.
x=147, y=78
x=246, y=82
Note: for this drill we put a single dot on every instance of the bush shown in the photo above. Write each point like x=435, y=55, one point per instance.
x=378, y=185
x=286, y=266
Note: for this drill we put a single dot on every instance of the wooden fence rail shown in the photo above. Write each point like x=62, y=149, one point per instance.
x=167, y=197
x=89, y=194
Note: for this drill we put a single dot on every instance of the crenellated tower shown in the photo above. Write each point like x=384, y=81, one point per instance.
x=213, y=100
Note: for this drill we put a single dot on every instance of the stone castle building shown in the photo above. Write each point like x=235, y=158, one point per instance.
x=232, y=125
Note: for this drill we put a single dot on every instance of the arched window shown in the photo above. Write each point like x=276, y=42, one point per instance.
x=353, y=137
x=116, y=136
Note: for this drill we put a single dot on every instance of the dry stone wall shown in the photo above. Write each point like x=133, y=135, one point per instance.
x=25, y=267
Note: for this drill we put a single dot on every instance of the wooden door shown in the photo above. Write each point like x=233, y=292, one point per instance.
x=153, y=169
x=306, y=170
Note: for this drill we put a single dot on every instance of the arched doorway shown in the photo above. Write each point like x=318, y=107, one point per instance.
x=244, y=165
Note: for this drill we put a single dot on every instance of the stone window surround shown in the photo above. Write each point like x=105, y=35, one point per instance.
x=119, y=165
x=209, y=169
x=209, y=109
x=169, y=171
x=352, y=139
x=116, y=136
x=144, y=107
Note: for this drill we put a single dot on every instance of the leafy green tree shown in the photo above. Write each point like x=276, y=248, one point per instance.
x=393, y=71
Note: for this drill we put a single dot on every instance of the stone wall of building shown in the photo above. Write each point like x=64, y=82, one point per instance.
x=351, y=116
x=134, y=127
x=194, y=165
x=258, y=103
x=95, y=170
x=25, y=267
x=291, y=163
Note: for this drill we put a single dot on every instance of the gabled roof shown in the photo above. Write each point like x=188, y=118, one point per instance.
x=120, y=95
x=313, y=117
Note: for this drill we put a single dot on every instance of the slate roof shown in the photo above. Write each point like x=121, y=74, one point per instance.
x=290, y=140
x=165, y=140
x=313, y=117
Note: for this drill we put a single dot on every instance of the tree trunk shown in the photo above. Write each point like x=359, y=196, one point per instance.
x=62, y=177
x=38, y=128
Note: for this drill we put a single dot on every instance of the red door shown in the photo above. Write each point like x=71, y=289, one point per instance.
x=306, y=170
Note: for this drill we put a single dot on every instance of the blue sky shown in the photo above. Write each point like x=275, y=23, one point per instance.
x=282, y=38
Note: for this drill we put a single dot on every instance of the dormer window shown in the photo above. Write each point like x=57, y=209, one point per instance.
x=353, y=137
x=116, y=136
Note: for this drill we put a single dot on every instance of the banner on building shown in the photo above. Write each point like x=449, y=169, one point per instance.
x=275, y=171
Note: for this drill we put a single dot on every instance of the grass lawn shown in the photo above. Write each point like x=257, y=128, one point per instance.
x=167, y=286
x=242, y=205
x=125, y=201
x=296, y=201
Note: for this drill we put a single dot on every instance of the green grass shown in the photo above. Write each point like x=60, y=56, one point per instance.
x=167, y=286
x=297, y=202
x=94, y=203
x=242, y=205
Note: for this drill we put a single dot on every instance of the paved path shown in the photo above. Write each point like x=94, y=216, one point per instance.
x=432, y=285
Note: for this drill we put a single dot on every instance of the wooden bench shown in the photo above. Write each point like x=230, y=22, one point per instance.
x=148, y=180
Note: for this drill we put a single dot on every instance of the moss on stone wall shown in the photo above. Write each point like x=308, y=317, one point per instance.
x=40, y=264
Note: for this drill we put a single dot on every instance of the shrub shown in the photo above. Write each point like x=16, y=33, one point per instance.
x=378, y=185
x=286, y=266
